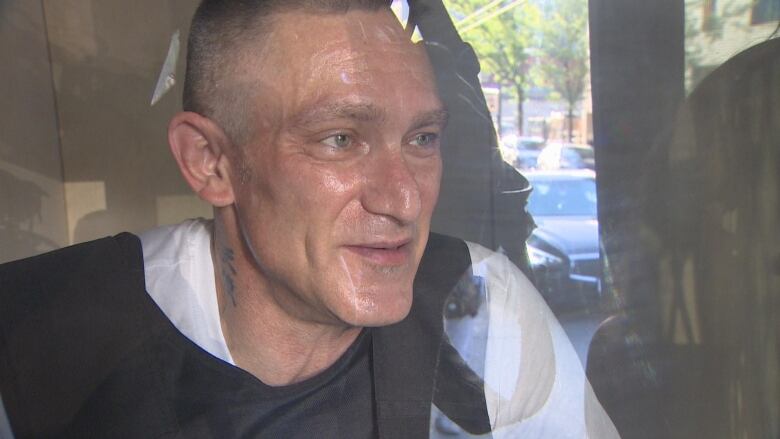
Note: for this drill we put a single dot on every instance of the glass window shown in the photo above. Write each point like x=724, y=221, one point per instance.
x=604, y=259
x=565, y=196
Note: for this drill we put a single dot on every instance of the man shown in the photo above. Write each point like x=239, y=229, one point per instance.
x=306, y=308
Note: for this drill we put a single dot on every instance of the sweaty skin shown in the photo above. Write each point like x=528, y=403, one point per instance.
x=333, y=195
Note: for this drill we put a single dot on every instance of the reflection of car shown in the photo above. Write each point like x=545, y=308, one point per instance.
x=521, y=151
x=533, y=143
x=566, y=156
x=564, y=249
x=526, y=159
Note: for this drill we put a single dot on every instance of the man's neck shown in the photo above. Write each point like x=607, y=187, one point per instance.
x=263, y=338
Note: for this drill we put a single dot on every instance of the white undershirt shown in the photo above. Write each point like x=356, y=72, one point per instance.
x=180, y=278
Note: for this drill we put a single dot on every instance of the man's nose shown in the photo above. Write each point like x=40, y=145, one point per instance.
x=391, y=187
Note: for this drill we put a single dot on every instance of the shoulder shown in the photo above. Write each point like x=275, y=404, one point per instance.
x=504, y=277
x=535, y=385
x=66, y=318
x=73, y=279
x=45, y=296
x=444, y=252
x=447, y=260
x=89, y=262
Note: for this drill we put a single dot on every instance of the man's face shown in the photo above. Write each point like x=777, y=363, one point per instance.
x=338, y=185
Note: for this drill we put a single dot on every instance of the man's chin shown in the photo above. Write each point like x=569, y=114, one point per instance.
x=384, y=320
x=378, y=313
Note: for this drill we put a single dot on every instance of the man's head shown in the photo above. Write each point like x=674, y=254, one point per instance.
x=328, y=184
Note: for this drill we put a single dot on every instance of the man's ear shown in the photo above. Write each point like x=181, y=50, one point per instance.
x=198, y=145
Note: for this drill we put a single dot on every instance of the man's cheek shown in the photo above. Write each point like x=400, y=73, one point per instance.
x=337, y=183
x=430, y=185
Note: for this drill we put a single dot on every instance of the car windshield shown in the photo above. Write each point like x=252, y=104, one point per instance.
x=563, y=197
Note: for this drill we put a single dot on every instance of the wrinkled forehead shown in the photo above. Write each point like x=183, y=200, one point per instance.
x=364, y=26
x=354, y=47
x=308, y=32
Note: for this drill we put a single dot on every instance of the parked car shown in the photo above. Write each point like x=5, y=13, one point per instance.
x=526, y=159
x=564, y=248
x=566, y=156
x=530, y=143
x=521, y=152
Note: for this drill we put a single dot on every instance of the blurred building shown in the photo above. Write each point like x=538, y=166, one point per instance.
x=716, y=30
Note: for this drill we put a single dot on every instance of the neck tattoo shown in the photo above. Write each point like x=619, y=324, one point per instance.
x=227, y=256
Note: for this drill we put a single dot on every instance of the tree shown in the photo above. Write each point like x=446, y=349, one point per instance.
x=564, y=52
x=503, y=36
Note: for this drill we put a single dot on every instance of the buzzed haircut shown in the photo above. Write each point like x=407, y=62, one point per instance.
x=219, y=29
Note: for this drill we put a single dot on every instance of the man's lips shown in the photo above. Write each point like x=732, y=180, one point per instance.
x=390, y=253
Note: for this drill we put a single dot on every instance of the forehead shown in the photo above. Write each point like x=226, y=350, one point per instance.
x=311, y=28
x=315, y=34
x=305, y=54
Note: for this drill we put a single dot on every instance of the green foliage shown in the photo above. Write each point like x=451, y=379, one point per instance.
x=530, y=42
x=504, y=43
x=564, y=49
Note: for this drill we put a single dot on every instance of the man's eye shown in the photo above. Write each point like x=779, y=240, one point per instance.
x=424, y=139
x=339, y=141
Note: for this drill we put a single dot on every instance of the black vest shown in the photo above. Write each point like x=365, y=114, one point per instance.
x=85, y=352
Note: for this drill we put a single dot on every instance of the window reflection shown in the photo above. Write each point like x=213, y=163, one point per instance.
x=655, y=211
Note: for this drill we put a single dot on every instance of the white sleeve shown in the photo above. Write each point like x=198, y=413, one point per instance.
x=5, y=426
x=535, y=385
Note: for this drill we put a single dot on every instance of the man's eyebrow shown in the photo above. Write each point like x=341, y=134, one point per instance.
x=339, y=110
x=364, y=112
x=439, y=117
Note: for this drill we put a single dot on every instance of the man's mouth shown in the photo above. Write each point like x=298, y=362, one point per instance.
x=388, y=253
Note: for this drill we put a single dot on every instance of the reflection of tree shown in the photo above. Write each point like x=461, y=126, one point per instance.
x=16, y=223
x=523, y=43
x=564, y=52
x=502, y=42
